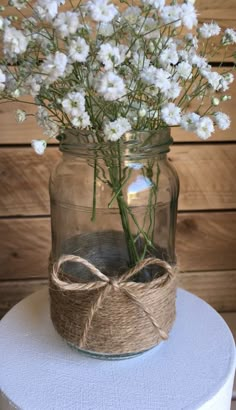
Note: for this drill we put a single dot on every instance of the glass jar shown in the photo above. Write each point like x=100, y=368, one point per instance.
x=114, y=203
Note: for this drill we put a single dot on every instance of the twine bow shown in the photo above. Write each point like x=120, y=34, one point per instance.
x=106, y=284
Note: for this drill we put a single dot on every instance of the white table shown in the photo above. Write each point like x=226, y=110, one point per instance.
x=194, y=369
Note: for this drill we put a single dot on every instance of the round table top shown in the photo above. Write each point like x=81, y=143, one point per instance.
x=39, y=371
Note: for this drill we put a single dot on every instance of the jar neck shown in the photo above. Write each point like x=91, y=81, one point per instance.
x=133, y=145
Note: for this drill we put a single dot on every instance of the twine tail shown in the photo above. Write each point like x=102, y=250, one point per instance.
x=93, y=309
x=130, y=295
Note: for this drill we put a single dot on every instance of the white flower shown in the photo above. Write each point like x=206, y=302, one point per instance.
x=229, y=37
x=20, y=116
x=110, y=86
x=169, y=56
x=102, y=11
x=147, y=27
x=198, y=61
x=46, y=10
x=174, y=90
x=105, y=29
x=158, y=4
x=205, y=128
x=2, y=80
x=18, y=4
x=140, y=184
x=156, y=77
x=33, y=85
x=1, y=23
x=189, y=122
x=192, y=40
x=212, y=77
x=81, y=121
x=131, y=14
x=49, y=126
x=54, y=66
x=110, y=56
x=39, y=146
x=188, y=15
x=172, y=14
x=171, y=114
x=209, y=30
x=78, y=50
x=222, y=120
x=184, y=70
x=226, y=80
x=66, y=23
x=139, y=60
x=113, y=130
x=14, y=41
x=74, y=104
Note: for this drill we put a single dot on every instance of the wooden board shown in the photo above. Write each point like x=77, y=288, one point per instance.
x=207, y=177
x=216, y=288
x=12, y=292
x=205, y=242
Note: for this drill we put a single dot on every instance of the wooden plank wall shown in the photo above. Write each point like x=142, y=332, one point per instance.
x=206, y=232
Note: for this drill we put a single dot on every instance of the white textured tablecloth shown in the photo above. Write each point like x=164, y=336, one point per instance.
x=194, y=369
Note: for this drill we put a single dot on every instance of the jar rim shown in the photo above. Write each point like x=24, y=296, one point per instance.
x=133, y=143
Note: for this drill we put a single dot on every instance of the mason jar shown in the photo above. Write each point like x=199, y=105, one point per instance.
x=114, y=203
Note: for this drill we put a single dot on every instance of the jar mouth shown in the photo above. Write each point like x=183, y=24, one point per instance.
x=133, y=144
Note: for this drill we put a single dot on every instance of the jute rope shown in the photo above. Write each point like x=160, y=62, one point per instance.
x=112, y=299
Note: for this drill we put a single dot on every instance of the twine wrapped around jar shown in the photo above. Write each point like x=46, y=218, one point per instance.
x=112, y=315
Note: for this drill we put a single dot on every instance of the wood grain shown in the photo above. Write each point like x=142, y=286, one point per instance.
x=205, y=242
x=207, y=177
x=12, y=292
x=216, y=288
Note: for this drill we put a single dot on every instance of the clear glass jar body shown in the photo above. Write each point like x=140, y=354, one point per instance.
x=114, y=203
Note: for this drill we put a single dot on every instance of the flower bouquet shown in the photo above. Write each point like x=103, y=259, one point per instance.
x=109, y=79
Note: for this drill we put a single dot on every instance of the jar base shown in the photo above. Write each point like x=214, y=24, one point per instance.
x=110, y=356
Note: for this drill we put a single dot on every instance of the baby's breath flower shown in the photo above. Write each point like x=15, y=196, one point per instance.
x=209, y=30
x=110, y=56
x=74, y=104
x=113, y=130
x=110, y=86
x=188, y=15
x=54, y=67
x=158, y=4
x=78, y=50
x=14, y=42
x=20, y=116
x=81, y=121
x=229, y=37
x=46, y=10
x=66, y=23
x=171, y=114
x=189, y=121
x=205, y=128
x=184, y=70
x=131, y=14
x=2, y=80
x=102, y=11
x=222, y=120
x=39, y=146
x=172, y=14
